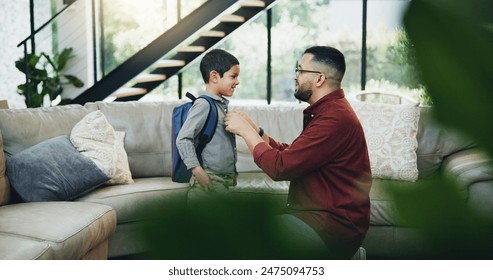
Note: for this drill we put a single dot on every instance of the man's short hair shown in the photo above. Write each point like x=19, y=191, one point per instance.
x=331, y=57
x=217, y=60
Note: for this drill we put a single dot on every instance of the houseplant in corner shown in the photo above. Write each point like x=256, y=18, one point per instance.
x=45, y=76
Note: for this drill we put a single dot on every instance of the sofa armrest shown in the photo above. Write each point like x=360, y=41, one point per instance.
x=469, y=167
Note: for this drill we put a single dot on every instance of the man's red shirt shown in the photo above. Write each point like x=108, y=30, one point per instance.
x=329, y=169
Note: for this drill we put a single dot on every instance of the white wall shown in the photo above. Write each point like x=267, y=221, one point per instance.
x=75, y=31
x=15, y=23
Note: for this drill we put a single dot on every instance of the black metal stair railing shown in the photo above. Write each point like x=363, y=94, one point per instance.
x=169, y=45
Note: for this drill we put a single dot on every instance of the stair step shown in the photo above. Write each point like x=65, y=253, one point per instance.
x=169, y=63
x=192, y=49
x=145, y=78
x=213, y=33
x=252, y=3
x=232, y=18
x=124, y=92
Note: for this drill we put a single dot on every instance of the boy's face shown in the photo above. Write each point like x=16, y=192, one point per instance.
x=226, y=84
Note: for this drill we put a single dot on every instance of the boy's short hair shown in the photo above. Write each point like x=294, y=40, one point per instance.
x=217, y=60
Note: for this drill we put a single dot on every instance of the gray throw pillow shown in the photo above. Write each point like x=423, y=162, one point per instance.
x=53, y=170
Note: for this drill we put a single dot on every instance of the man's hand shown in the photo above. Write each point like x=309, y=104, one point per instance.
x=239, y=123
x=248, y=119
x=202, y=177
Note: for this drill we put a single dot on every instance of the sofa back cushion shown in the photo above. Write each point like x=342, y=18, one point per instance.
x=147, y=127
x=23, y=128
x=284, y=122
x=435, y=143
x=4, y=182
x=394, y=125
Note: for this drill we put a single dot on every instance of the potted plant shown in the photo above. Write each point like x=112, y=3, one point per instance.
x=45, y=76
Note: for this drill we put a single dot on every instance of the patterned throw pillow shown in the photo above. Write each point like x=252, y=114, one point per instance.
x=390, y=132
x=95, y=138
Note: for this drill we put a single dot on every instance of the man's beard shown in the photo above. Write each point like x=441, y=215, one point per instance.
x=302, y=93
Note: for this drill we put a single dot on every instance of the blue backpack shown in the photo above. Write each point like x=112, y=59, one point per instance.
x=179, y=171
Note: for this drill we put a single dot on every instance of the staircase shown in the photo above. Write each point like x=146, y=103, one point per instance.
x=171, y=52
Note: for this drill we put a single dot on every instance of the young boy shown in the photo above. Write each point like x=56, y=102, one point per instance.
x=217, y=171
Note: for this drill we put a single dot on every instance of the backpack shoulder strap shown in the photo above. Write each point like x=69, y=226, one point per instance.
x=191, y=96
x=210, y=124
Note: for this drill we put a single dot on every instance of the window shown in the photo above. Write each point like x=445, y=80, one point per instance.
x=296, y=25
x=389, y=60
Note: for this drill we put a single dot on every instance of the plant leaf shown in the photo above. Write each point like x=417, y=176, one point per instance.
x=74, y=81
x=32, y=62
x=454, y=52
x=36, y=100
x=21, y=89
x=63, y=58
x=50, y=62
x=446, y=224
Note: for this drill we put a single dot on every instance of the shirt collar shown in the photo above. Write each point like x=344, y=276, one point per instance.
x=220, y=99
x=317, y=106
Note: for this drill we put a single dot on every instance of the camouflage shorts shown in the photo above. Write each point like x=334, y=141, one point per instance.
x=220, y=185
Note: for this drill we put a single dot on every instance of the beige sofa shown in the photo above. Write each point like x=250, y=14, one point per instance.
x=106, y=221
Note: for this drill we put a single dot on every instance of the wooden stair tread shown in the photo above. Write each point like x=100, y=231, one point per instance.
x=124, y=92
x=145, y=78
x=252, y=3
x=192, y=49
x=169, y=63
x=213, y=33
x=232, y=18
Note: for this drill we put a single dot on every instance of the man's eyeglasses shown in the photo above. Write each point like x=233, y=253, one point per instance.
x=298, y=71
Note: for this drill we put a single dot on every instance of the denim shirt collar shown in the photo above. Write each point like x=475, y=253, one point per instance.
x=219, y=99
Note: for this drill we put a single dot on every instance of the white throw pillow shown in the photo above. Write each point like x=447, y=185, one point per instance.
x=390, y=132
x=122, y=174
x=94, y=137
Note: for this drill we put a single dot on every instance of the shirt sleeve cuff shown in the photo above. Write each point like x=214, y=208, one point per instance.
x=191, y=163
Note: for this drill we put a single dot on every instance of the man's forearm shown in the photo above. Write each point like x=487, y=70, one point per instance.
x=252, y=138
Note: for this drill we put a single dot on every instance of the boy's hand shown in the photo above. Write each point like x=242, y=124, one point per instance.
x=202, y=177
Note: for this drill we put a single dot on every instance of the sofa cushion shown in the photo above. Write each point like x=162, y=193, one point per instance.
x=259, y=182
x=148, y=132
x=394, y=157
x=53, y=170
x=95, y=138
x=468, y=167
x=257, y=186
x=390, y=132
x=23, y=128
x=4, y=182
x=283, y=121
x=435, y=143
x=130, y=201
x=383, y=211
x=21, y=248
x=69, y=229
